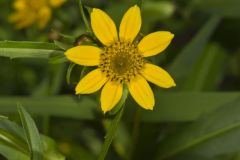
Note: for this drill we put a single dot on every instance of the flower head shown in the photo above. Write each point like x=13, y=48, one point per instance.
x=121, y=60
x=29, y=12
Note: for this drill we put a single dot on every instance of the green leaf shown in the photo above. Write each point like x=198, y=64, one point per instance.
x=84, y=17
x=32, y=135
x=12, y=141
x=63, y=106
x=69, y=71
x=182, y=64
x=162, y=10
x=58, y=59
x=62, y=45
x=207, y=69
x=165, y=109
x=50, y=151
x=229, y=8
x=27, y=44
x=183, y=106
x=13, y=144
x=14, y=49
x=205, y=137
x=13, y=129
x=3, y=117
x=12, y=154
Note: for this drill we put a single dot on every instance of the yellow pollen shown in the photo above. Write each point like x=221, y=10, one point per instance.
x=121, y=61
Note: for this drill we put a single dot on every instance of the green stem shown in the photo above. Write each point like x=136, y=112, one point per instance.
x=110, y=134
x=135, y=132
x=45, y=123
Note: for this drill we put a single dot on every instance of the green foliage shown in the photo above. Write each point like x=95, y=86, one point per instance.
x=223, y=8
x=181, y=66
x=32, y=134
x=207, y=70
x=3, y=117
x=199, y=119
x=13, y=49
x=208, y=131
x=25, y=143
x=165, y=110
x=69, y=71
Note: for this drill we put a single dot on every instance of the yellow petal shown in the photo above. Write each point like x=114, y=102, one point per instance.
x=131, y=24
x=103, y=27
x=56, y=3
x=44, y=15
x=84, y=55
x=110, y=96
x=92, y=82
x=20, y=19
x=20, y=4
x=158, y=76
x=155, y=43
x=141, y=92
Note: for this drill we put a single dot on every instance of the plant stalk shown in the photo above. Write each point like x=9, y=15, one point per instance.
x=110, y=134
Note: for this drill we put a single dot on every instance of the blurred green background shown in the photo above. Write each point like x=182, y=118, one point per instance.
x=199, y=119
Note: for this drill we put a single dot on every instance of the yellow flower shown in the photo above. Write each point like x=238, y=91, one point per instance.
x=121, y=60
x=29, y=12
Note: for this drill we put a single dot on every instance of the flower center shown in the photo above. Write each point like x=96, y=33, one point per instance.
x=121, y=61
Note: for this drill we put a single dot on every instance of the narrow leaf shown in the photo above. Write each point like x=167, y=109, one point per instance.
x=199, y=137
x=12, y=154
x=229, y=8
x=69, y=71
x=165, y=109
x=183, y=63
x=12, y=141
x=14, y=49
x=84, y=17
x=32, y=134
x=58, y=59
x=207, y=70
x=3, y=117
x=62, y=45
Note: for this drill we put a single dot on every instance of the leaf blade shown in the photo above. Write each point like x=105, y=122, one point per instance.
x=24, y=49
x=227, y=9
x=224, y=120
x=165, y=109
x=32, y=134
x=183, y=63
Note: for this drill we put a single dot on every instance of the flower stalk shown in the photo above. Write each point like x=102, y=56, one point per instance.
x=110, y=133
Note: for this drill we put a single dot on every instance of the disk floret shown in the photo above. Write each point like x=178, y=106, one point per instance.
x=121, y=61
